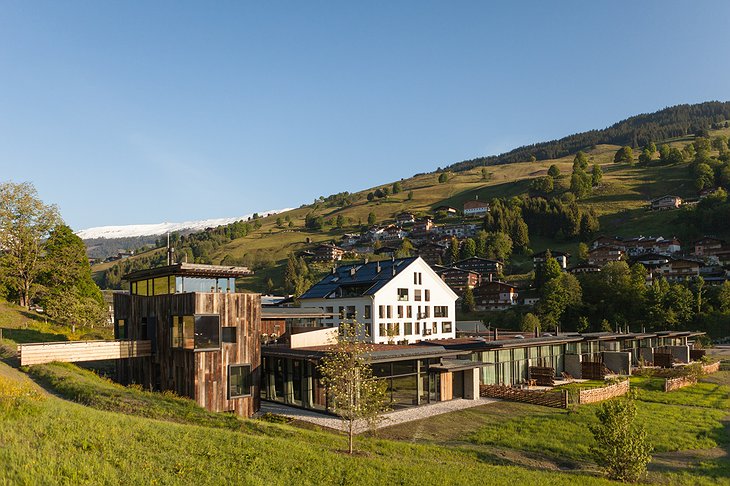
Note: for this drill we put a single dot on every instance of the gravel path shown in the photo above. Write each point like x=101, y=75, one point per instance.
x=391, y=418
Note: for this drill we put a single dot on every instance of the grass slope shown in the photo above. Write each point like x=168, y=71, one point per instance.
x=47, y=440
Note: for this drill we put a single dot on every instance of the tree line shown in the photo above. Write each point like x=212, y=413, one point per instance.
x=636, y=131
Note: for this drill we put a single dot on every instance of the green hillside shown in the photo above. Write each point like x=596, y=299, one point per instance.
x=620, y=203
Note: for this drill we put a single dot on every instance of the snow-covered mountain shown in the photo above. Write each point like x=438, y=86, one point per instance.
x=132, y=230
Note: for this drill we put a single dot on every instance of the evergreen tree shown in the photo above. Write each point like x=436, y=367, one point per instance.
x=453, y=252
x=468, y=304
x=397, y=188
x=580, y=162
x=554, y=171
x=482, y=243
x=371, y=219
x=580, y=184
x=529, y=323
x=596, y=175
x=468, y=249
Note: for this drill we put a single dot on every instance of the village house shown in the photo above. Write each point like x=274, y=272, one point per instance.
x=400, y=300
x=583, y=268
x=666, y=202
x=495, y=295
x=482, y=266
x=476, y=208
x=450, y=211
x=327, y=252
x=679, y=269
x=349, y=240
x=405, y=218
x=388, y=251
x=421, y=229
x=459, y=279
x=432, y=253
x=708, y=246
x=650, y=244
x=460, y=230
x=606, y=241
x=540, y=258
x=604, y=254
x=204, y=336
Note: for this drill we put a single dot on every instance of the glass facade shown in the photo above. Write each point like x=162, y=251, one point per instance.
x=199, y=332
x=177, y=285
x=510, y=366
x=297, y=382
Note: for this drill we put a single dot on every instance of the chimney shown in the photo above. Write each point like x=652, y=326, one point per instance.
x=334, y=270
x=537, y=331
x=496, y=334
x=377, y=267
x=490, y=277
x=366, y=260
x=352, y=271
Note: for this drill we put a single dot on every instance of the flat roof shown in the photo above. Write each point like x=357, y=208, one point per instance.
x=189, y=270
x=294, y=312
x=378, y=352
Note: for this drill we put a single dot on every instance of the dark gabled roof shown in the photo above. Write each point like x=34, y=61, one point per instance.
x=456, y=264
x=189, y=270
x=294, y=312
x=443, y=269
x=361, y=275
x=552, y=252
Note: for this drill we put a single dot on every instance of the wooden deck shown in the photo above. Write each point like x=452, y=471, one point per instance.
x=73, y=351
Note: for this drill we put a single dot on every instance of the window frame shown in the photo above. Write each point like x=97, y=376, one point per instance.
x=250, y=386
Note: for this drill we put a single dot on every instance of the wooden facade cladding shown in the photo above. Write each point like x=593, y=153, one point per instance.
x=198, y=374
x=76, y=351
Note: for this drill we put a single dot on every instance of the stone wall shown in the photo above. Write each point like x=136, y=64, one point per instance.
x=604, y=393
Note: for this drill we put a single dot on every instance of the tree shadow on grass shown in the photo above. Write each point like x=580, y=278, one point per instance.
x=22, y=336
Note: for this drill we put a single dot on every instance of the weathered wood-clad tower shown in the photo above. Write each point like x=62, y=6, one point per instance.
x=204, y=336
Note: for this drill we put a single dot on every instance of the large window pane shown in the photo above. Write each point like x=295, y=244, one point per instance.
x=207, y=332
x=239, y=381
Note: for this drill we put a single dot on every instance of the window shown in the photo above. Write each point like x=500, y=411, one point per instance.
x=420, y=278
x=427, y=295
x=400, y=312
x=441, y=311
x=435, y=327
x=198, y=332
x=381, y=312
x=390, y=311
x=367, y=312
x=417, y=295
x=329, y=310
x=342, y=312
x=426, y=312
x=402, y=294
x=161, y=286
x=239, y=381
x=121, y=329
x=207, y=332
x=409, y=312
x=383, y=329
x=408, y=328
x=228, y=334
x=415, y=278
x=418, y=328
x=350, y=312
x=446, y=326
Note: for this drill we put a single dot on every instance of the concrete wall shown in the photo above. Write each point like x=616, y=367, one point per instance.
x=618, y=361
x=319, y=337
x=471, y=384
x=572, y=365
x=680, y=353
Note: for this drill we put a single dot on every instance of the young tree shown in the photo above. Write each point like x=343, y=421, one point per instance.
x=453, y=252
x=724, y=297
x=485, y=174
x=541, y=186
x=580, y=183
x=397, y=187
x=499, y=246
x=443, y=177
x=582, y=252
x=646, y=156
x=624, y=154
x=554, y=171
x=24, y=223
x=405, y=250
x=340, y=222
x=622, y=448
x=410, y=195
x=354, y=394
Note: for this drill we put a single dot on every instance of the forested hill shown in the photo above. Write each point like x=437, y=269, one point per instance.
x=636, y=131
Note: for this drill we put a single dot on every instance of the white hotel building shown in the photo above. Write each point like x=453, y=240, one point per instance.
x=399, y=301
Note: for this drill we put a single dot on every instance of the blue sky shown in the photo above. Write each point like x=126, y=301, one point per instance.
x=143, y=112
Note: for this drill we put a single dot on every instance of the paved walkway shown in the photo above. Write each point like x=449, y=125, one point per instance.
x=391, y=418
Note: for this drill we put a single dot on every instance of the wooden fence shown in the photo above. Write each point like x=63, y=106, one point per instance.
x=550, y=398
x=593, y=395
x=543, y=375
x=593, y=370
x=73, y=351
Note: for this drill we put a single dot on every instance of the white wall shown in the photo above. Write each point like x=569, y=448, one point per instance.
x=440, y=295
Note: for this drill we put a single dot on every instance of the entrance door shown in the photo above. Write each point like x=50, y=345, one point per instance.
x=458, y=384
